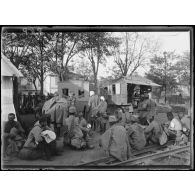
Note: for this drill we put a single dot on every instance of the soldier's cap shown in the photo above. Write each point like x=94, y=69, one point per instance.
x=72, y=109
x=112, y=119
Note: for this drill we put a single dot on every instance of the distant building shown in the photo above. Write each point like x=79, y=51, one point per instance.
x=75, y=83
x=50, y=85
x=25, y=86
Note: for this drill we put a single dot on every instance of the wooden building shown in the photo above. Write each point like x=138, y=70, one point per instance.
x=77, y=85
x=125, y=90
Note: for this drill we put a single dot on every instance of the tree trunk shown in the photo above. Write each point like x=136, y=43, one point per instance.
x=15, y=98
x=42, y=73
x=34, y=83
x=95, y=84
x=42, y=81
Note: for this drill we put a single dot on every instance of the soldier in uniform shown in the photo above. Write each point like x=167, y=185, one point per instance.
x=76, y=134
x=13, y=135
x=136, y=134
x=92, y=108
x=154, y=132
x=101, y=111
x=115, y=141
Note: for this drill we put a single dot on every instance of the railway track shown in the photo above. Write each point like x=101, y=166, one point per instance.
x=142, y=157
x=147, y=159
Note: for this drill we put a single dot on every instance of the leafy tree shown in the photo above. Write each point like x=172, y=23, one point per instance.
x=162, y=71
x=82, y=67
x=96, y=46
x=38, y=60
x=182, y=68
x=63, y=47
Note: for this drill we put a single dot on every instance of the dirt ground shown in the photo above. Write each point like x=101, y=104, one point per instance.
x=68, y=157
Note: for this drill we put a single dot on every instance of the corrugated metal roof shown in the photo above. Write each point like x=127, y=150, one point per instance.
x=8, y=69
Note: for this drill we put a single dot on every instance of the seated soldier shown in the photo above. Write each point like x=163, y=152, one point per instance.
x=50, y=125
x=85, y=128
x=93, y=103
x=126, y=115
x=115, y=140
x=135, y=134
x=185, y=121
x=154, y=132
x=73, y=135
x=120, y=116
x=147, y=107
x=174, y=131
x=13, y=135
x=36, y=145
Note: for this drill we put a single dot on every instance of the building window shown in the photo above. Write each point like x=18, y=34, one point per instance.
x=118, y=88
x=65, y=91
x=113, y=89
x=81, y=93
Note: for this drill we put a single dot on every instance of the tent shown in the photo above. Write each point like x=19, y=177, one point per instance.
x=8, y=71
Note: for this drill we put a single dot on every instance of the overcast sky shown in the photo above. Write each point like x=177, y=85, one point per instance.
x=169, y=41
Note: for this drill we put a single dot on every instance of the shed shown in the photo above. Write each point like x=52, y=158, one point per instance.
x=122, y=91
x=8, y=71
x=78, y=85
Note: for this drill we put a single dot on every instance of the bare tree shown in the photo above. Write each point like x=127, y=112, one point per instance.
x=133, y=52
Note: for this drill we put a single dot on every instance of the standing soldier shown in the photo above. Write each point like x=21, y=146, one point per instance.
x=92, y=105
x=101, y=109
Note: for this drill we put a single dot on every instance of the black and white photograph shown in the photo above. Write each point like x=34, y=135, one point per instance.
x=97, y=98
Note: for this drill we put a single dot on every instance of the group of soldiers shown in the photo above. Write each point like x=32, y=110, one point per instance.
x=128, y=132
x=121, y=133
x=29, y=103
x=58, y=116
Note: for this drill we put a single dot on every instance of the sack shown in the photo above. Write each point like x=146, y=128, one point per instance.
x=78, y=143
x=48, y=135
x=163, y=138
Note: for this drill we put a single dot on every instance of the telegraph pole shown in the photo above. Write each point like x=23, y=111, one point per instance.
x=165, y=56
